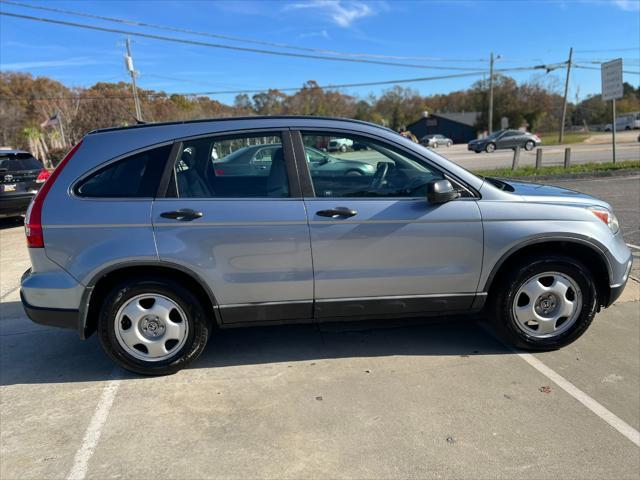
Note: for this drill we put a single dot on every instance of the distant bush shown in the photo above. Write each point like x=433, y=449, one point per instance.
x=56, y=155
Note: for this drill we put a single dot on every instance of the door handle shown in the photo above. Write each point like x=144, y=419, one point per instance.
x=337, y=212
x=184, y=214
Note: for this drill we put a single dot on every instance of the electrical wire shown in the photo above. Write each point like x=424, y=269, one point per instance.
x=232, y=37
x=230, y=47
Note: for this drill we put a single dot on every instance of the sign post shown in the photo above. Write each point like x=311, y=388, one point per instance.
x=611, y=89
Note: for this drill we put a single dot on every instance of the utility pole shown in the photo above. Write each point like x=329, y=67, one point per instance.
x=491, y=94
x=128, y=59
x=566, y=92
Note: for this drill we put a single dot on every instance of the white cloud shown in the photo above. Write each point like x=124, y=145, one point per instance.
x=628, y=5
x=341, y=13
x=68, y=62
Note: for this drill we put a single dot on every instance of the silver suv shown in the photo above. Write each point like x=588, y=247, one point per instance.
x=145, y=235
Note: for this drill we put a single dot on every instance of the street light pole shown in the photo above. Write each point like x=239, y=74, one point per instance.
x=491, y=94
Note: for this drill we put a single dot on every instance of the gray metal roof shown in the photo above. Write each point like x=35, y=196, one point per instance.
x=465, y=118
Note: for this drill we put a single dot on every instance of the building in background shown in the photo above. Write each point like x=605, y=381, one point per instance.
x=458, y=126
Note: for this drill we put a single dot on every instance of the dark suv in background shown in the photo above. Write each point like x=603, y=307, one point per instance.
x=20, y=178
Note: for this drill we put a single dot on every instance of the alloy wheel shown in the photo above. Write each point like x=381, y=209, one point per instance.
x=151, y=327
x=547, y=304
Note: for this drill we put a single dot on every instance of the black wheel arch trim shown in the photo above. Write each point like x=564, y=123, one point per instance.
x=91, y=284
x=596, y=247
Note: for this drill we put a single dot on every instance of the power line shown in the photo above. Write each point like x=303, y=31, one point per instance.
x=584, y=67
x=237, y=92
x=230, y=47
x=609, y=50
x=232, y=37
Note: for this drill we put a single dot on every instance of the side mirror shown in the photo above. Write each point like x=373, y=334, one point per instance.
x=441, y=191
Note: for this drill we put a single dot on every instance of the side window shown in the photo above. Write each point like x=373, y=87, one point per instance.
x=232, y=167
x=134, y=176
x=350, y=166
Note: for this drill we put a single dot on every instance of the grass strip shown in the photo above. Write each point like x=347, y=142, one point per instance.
x=530, y=171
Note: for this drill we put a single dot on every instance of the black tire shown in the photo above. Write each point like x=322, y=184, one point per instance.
x=353, y=173
x=196, y=339
x=448, y=144
x=529, y=144
x=490, y=147
x=343, y=148
x=503, y=297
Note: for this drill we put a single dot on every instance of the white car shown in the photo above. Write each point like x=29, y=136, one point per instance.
x=342, y=144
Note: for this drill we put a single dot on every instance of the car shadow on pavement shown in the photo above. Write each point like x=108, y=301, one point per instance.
x=11, y=222
x=33, y=354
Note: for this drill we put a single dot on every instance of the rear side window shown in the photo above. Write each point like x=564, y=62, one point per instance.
x=134, y=176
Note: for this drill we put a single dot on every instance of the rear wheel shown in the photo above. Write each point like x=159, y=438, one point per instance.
x=544, y=303
x=152, y=326
x=490, y=148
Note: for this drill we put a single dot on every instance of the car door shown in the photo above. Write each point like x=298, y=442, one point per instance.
x=378, y=246
x=245, y=236
x=510, y=139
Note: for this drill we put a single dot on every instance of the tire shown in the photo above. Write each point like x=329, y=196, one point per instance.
x=528, y=146
x=187, y=322
x=343, y=148
x=508, y=299
x=353, y=173
x=448, y=144
x=490, y=148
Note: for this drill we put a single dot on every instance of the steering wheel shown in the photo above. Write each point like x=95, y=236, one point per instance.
x=381, y=173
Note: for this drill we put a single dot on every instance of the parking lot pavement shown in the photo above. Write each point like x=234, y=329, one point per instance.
x=406, y=399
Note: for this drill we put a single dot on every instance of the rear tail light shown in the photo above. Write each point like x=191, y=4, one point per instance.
x=43, y=175
x=33, y=221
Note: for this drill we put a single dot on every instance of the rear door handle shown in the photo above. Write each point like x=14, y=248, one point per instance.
x=184, y=214
x=337, y=212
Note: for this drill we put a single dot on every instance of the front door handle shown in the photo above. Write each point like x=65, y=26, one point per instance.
x=184, y=214
x=337, y=212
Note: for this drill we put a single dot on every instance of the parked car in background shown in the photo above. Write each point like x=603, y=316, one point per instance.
x=146, y=246
x=436, y=141
x=340, y=144
x=257, y=160
x=20, y=178
x=505, y=139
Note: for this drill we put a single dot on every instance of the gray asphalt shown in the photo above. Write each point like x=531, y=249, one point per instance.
x=421, y=399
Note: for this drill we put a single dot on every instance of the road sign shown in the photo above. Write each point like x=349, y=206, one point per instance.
x=612, y=79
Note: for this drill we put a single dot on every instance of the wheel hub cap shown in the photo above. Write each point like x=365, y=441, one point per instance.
x=547, y=304
x=151, y=327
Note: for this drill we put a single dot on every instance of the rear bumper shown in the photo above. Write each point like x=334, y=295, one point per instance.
x=14, y=205
x=53, y=317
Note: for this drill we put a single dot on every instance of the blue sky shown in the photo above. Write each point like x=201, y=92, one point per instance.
x=456, y=33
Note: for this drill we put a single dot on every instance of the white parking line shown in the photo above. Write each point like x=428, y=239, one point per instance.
x=633, y=246
x=605, y=414
x=601, y=411
x=94, y=430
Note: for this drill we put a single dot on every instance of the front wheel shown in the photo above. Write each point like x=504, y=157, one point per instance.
x=448, y=144
x=528, y=146
x=343, y=148
x=544, y=303
x=152, y=326
x=490, y=148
